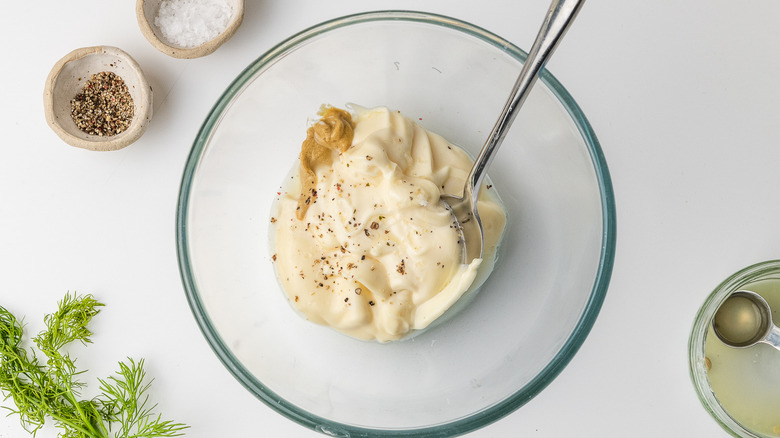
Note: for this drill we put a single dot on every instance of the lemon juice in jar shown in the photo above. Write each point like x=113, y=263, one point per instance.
x=746, y=381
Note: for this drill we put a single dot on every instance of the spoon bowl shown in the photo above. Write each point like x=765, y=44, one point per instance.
x=744, y=320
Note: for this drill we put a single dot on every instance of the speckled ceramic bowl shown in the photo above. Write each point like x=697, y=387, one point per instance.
x=146, y=11
x=67, y=79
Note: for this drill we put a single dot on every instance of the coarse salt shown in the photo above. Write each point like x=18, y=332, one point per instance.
x=190, y=23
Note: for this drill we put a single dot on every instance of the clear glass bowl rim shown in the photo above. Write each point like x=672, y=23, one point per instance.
x=462, y=425
x=698, y=336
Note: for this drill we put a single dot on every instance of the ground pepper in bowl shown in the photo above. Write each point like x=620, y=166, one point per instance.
x=104, y=107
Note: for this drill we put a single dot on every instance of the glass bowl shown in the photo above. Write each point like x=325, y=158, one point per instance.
x=533, y=312
x=761, y=277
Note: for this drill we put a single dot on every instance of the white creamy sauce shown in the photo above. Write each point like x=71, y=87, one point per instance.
x=377, y=256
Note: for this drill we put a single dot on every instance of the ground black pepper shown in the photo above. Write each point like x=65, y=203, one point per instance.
x=104, y=107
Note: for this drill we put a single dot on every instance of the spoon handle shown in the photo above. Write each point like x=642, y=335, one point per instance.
x=559, y=17
x=773, y=337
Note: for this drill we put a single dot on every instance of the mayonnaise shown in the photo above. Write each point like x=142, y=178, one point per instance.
x=375, y=254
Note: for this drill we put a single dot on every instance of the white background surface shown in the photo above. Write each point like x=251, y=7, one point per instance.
x=683, y=95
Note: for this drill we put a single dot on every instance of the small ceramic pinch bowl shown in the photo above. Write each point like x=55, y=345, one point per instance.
x=146, y=11
x=67, y=79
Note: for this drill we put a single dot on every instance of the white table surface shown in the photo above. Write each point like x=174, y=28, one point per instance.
x=683, y=95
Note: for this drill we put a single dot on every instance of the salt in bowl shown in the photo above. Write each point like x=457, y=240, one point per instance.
x=147, y=12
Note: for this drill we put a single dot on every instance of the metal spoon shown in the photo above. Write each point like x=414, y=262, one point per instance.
x=745, y=319
x=559, y=17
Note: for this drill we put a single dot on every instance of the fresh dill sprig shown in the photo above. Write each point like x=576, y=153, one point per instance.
x=51, y=390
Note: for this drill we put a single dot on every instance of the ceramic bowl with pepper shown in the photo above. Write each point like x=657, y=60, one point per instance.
x=97, y=98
